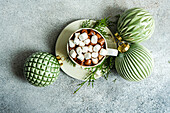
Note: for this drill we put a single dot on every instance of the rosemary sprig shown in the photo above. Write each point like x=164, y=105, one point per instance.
x=90, y=79
x=80, y=86
x=86, y=24
x=101, y=24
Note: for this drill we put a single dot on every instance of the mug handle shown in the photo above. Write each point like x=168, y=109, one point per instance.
x=112, y=52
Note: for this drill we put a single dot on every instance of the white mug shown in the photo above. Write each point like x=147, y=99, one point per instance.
x=110, y=52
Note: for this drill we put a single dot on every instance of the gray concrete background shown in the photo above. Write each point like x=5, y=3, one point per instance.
x=27, y=26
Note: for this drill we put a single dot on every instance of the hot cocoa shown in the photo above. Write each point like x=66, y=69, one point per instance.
x=87, y=47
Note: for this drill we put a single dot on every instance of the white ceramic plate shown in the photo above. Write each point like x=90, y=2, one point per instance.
x=61, y=49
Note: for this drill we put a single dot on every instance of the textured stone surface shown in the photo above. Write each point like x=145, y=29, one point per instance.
x=27, y=26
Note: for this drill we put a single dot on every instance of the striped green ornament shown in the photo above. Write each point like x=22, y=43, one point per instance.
x=135, y=64
x=135, y=25
x=41, y=69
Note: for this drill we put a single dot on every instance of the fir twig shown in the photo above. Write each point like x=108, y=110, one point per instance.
x=80, y=86
x=105, y=68
x=101, y=24
x=90, y=79
x=86, y=24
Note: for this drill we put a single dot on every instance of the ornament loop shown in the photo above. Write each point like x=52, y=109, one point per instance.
x=118, y=37
x=59, y=60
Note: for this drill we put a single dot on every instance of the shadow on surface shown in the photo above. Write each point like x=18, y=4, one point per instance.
x=52, y=38
x=53, y=35
x=113, y=13
x=18, y=63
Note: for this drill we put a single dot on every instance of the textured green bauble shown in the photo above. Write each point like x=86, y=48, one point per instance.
x=135, y=64
x=135, y=25
x=41, y=69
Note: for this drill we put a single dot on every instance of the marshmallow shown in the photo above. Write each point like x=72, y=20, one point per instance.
x=88, y=62
x=81, y=57
x=73, y=53
x=90, y=48
x=87, y=41
x=83, y=36
x=99, y=36
x=101, y=41
x=76, y=41
x=81, y=44
x=77, y=35
x=87, y=56
x=94, y=39
x=92, y=32
x=84, y=30
x=95, y=60
x=85, y=49
x=78, y=50
x=103, y=52
x=71, y=43
x=96, y=48
x=95, y=54
x=100, y=57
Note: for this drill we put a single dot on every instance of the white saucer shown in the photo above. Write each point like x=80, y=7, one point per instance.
x=61, y=49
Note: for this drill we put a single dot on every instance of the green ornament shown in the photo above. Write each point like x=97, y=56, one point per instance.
x=135, y=25
x=135, y=64
x=41, y=69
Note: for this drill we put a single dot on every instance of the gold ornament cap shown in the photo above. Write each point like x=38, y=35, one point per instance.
x=59, y=60
x=122, y=45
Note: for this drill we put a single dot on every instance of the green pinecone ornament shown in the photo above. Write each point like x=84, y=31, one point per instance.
x=135, y=25
x=135, y=64
x=41, y=69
